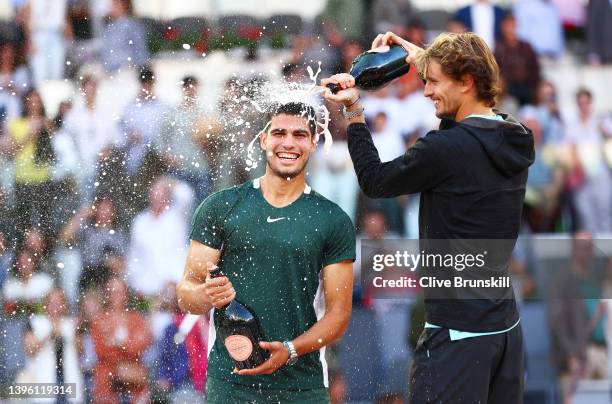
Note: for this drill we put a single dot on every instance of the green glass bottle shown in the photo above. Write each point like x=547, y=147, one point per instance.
x=374, y=69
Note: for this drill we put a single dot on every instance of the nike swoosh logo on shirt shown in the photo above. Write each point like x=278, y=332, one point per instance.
x=270, y=220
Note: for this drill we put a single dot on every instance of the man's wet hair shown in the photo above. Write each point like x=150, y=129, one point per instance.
x=297, y=109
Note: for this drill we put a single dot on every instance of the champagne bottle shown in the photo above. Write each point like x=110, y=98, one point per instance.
x=240, y=332
x=375, y=68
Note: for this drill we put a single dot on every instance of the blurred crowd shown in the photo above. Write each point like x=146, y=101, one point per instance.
x=95, y=209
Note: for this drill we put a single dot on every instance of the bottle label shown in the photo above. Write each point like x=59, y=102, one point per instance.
x=239, y=347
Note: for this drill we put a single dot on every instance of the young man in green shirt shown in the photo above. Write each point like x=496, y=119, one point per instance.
x=287, y=254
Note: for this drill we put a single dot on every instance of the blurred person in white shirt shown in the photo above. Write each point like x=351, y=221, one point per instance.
x=91, y=130
x=388, y=142
x=51, y=348
x=47, y=29
x=593, y=198
x=158, y=242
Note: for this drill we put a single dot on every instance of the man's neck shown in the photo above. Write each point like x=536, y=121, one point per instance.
x=585, y=116
x=472, y=108
x=90, y=103
x=280, y=192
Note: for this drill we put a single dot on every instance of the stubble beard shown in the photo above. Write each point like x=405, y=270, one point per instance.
x=288, y=175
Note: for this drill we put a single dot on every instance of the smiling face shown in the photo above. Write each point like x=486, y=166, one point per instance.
x=288, y=144
x=461, y=75
x=447, y=94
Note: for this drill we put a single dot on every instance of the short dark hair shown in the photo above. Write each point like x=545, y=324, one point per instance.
x=189, y=81
x=146, y=75
x=584, y=91
x=297, y=109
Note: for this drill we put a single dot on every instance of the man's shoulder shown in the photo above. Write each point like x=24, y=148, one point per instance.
x=226, y=196
x=318, y=199
x=327, y=207
x=445, y=134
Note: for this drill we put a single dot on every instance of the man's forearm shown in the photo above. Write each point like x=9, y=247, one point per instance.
x=365, y=157
x=325, y=331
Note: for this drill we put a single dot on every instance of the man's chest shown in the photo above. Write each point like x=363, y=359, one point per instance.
x=281, y=232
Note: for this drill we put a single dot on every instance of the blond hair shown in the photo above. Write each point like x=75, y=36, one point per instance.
x=461, y=54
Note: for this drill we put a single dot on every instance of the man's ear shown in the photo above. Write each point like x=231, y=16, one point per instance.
x=467, y=82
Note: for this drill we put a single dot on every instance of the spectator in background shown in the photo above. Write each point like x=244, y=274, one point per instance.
x=6, y=256
x=605, y=309
x=349, y=51
x=506, y=102
x=483, y=18
x=25, y=290
x=388, y=142
x=99, y=11
x=95, y=231
x=410, y=98
x=574, y=355
x=142, y=121
x=14, y=74
x=599, y=31
x=349, y=15
x=51, y=348
x=391, y=15
x=177, y=143
x=544, y=183
x=338, y=387
x=35, y=240
x=416, y=32
x=158, y=241
x=90, y=130
x=47, y=30
x=123, y=39
x=456, y=26
x=518, y=63
x=90, y=308
x=80, y=20
x=572, y=12
x=226, y=137
x=327, y=171
x=593, y=197
x=388, y=100
x=373, y=230
x=323, y=45
x=539, y=24
x=29, y=145
x=182, y=364
x=549, y=116
x=120, y=338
